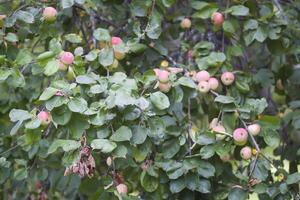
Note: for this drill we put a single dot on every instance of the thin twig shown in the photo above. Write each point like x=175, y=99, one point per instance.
x=10, y=149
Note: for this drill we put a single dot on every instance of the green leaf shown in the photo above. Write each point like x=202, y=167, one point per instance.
x=4, y=74
x=48, y=93
x=293, y=178
x=154, y=28
x=149, y=183
x=66, y=145
x=104, y=145
x=177, y=185
x=61, y=115
x=19, y=115
x=77, y=104
x=271, y=137
x=73, y=38
x=23, y=57
x=33, y=124
x=224, y=99
x=187, y=82
x=106, y=57
x=237, y=194
x=20, y=174
x=139, y=134
x=67, y=3
x=251, y=24
x=51, y=67
x=25, y=16
x=207, y=151
x=15, y=128
x=122, y=134
x=239, y=10
x=160, y=100
x=204, y=9
x=102, y=34
x=261, y=34
x=11, y=37
x=85, y=79
x=97, y=89
x=206, y=169
x=170, y=148
x=92, y=55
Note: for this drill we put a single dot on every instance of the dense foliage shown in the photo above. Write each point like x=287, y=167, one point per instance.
x=150, y=99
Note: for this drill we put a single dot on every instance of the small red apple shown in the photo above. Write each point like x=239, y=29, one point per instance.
x=254, y=129
x=163, y=76
x=213, y=83
x=227, y=78
x=66, y=58
x=217, y=18
x=49, y=14
x=116, y=41
x=44, y=117
x=240, y=136
x=203, y=86
x=164, y=87
x=122, y=189
x=246, y=153
x=186, y=23
x=202, y=76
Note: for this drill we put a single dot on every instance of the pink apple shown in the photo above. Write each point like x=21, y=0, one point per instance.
x=254, y=129
x=122, y=188
x=49, y=14
x=164, y=87
x=66, y=58
x=44, y=117
x=227, y=78
x=240, y=136
x=203, y=86
x=217, y=18
x=246, y=153
x=213, y=83
x=163, y=76
x=202, y=76
x=219, y=128
x=116, y=41
x=186, y=23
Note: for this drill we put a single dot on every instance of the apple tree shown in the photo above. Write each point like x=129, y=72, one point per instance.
x=152, y=99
